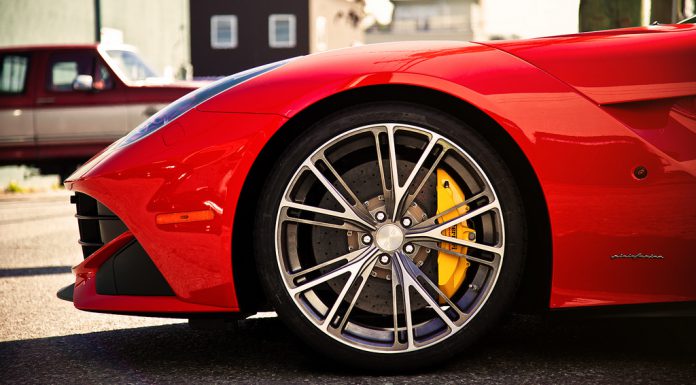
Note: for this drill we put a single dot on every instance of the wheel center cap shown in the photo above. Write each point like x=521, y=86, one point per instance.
x=389, y=237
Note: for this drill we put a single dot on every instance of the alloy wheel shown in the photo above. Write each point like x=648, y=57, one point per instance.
x=360, y=234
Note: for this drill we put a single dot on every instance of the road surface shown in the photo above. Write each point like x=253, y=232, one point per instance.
x=45, y=340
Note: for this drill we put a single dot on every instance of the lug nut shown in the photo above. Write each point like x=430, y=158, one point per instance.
x=406, y=222
x=367, y=239
x=409, y=248
x=380, y=216
x=384, y=259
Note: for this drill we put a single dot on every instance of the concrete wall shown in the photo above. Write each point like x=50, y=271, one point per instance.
x=46, y=22
x=331, y=24
x=477, y=19
x=527, y=18
x=426, y=20
x=158, y=28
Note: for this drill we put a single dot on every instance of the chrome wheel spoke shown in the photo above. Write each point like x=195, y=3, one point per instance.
x=433, y=220
x=345, y=257
x=345, y=226
x=434, y=233
x=410, y=198
x=346, y=217
x=492, y=264
x=386, y=193
x=471, y=214
x=352, y=267
x=350, y=211
x=357, y=206
x=364, y=275
x=410, y=274
x=400, y=191
x=403, y=199
x=391, y=146
x=398, y=284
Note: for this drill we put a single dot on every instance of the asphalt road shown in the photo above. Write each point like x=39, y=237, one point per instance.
x=45, y=340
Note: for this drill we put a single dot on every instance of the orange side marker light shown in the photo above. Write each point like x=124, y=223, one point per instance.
x=186, y=216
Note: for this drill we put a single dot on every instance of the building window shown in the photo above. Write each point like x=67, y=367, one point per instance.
x=223, y=31
x=281, y=31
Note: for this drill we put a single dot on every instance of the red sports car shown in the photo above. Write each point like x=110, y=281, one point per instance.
x=390, y=202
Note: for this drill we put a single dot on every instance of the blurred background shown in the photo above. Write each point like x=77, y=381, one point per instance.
x=201, y=38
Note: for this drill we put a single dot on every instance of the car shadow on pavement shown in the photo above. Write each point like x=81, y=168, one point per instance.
x=523, y=349
x=32, y=271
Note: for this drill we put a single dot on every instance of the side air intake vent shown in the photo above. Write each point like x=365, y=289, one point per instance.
x=97, y=224
x=130, y=271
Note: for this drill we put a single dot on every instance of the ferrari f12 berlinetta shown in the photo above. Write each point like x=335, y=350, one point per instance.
x=390, y=202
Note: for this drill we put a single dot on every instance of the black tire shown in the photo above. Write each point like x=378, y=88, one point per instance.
x=499, y=298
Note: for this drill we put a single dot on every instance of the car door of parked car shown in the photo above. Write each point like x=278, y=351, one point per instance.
x=72, y=112
x=16, y=105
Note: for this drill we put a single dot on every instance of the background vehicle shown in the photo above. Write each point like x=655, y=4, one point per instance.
x=394, y=200
x=60, y=105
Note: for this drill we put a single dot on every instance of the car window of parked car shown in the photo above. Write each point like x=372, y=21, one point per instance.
x=64, y=68
x=13, y=74
x=132, y=66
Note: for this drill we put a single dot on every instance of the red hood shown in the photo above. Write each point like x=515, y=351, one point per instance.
x=616, y=66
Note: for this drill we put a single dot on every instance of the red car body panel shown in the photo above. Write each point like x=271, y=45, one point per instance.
x=613, y=68
x=583, y=155
x=86, y=296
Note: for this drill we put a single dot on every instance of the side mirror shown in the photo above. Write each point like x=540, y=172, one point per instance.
x=82, y=83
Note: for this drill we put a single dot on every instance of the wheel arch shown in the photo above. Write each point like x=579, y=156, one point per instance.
x=535, y=291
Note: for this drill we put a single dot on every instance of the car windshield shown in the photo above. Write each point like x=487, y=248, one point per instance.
x=131, y=65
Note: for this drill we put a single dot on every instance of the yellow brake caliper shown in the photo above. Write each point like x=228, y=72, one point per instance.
x=451, y=268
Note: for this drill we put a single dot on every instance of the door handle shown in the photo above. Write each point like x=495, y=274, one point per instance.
x=45, y=100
